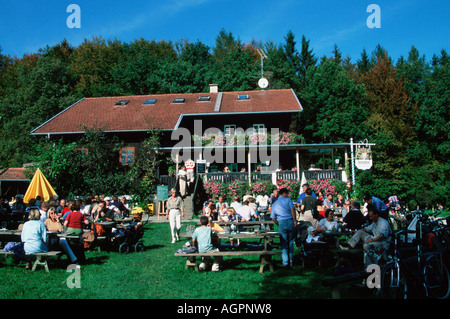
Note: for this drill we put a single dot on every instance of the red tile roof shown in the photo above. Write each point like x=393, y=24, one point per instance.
x=13, y=173
x=102, y=113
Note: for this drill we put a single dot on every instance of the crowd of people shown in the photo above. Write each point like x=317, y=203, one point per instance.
x=43, y=218
x=368, y=223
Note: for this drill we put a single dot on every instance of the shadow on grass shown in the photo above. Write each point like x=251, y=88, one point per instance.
x=151, y=247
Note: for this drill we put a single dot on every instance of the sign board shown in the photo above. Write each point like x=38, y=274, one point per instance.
x=201, y=166
x=162, y=192
x=363, y=156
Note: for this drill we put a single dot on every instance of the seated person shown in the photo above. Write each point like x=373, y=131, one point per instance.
x=34, y=233
x=103, y=213
x=53, y=224
x=328, y=223
x=202, y=238
x=223, y=212
x=246, y=212
x=233, y=216
x=325, y=224
x=75, y=220
x=320, y=208
x=354, y=219
x=376, y=236
x=210, y=211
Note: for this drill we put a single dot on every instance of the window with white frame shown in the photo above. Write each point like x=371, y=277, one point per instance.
x=229, y=130
x=259, y=128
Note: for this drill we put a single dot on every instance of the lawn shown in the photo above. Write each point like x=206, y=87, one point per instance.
x=157, y=274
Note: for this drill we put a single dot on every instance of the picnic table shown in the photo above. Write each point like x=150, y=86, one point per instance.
x=265, y=254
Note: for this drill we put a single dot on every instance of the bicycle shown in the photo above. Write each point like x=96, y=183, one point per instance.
x=422, y=272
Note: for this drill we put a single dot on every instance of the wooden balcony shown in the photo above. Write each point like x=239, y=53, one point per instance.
x=274, y=176
x=264, y=176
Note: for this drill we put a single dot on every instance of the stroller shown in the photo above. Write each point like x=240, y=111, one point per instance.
x=128, y=236
x=312, y=253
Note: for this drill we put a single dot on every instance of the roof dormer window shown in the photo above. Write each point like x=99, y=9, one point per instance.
x=179, y=100
x=243, y=97
x=122, y=103
x=204, y=98
x=150, y=101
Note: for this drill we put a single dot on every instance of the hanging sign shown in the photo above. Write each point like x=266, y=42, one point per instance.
x=363, y=156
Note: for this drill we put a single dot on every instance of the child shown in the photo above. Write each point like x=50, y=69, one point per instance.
x=223, y=214
x=202, y=239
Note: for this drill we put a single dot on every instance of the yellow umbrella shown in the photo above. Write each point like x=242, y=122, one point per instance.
x=39, y=185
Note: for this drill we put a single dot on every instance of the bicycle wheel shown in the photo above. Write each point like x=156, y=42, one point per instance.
x=436, y=278
x=393, y=282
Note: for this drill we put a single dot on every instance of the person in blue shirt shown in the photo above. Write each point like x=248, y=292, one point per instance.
x=202, y=238
x=283, y=214
x=298, y=203
x=379, y=205
x=34, y=235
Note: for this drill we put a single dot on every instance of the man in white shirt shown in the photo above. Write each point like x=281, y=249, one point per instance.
x=112, y=207
x=246, y=212
x=376, y=236
x=263, y=203
x=235, y=204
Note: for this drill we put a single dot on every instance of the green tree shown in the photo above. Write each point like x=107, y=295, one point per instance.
x=92, y=64
x=335, y=107
x=307, y=61
x=62, y=165
x=391, y=126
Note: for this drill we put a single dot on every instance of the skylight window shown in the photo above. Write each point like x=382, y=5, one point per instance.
x=243, y=97
x=150, y=101
x=122, y=103
x=204, y=98
x=179, y=100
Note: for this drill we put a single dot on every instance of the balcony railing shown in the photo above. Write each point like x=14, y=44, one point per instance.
x=170, y=180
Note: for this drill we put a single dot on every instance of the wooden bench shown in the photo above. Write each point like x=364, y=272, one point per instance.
x=40, y=258
x=264, y=254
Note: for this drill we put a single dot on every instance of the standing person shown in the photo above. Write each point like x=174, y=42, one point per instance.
x=354, y=219
x=378, y=204
x=309, y=206
x=175, y=212
x=303, y=195
x=283, y=214
x=182, y=181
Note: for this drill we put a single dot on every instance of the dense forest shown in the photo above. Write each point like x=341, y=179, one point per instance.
x=401, y=106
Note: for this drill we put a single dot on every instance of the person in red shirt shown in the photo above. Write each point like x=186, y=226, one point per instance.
x=75, y=220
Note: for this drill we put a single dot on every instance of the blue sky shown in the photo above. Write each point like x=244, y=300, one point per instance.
x=26, y=26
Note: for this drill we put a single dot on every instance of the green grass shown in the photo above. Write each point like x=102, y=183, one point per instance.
x=157, y=274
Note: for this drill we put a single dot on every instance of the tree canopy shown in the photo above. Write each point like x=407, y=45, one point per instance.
x=400, y=106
